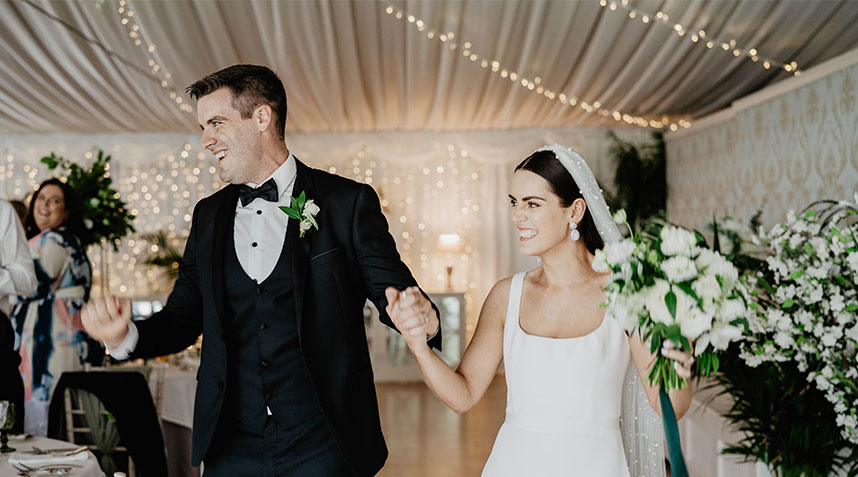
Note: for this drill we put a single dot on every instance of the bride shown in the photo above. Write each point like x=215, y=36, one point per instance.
x=575, y=402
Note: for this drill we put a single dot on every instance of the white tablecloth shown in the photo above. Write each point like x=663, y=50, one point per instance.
x=178, y=392
x=88, y=468
x=177, y=402
x=177, y=416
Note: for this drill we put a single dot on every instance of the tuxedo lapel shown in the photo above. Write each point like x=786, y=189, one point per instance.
x=224, y=224
x=299, y=247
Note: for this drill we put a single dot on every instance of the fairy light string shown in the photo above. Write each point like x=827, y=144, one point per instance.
x=699, y=35
x=136, y=33
x=534, y=84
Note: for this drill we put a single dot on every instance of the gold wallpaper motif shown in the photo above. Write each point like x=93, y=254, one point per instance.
x=776, y=156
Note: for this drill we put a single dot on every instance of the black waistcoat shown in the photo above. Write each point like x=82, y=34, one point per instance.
x=265, y=364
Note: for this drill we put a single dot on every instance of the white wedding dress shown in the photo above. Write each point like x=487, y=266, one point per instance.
x=564, y=399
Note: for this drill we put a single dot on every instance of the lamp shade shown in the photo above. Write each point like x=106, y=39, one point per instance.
x=449, y=243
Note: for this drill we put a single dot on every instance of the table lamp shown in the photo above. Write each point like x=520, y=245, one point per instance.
x=449, y=244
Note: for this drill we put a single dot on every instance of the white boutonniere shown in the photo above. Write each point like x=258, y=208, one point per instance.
x=304, y=211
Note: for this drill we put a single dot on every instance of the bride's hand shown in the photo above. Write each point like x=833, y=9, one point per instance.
x=413, y=316
x=682, y=360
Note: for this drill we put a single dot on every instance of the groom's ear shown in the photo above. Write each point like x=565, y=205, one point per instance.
x=262, y=117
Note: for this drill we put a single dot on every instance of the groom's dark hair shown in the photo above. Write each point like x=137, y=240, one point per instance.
x=546, y=165
x=251, y=86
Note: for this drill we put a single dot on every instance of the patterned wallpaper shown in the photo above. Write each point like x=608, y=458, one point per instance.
x=775, y=156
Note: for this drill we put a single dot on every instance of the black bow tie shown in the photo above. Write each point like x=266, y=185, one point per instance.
x=267, y=191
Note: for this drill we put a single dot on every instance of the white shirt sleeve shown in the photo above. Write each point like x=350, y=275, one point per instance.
x=17, y=275
x=128, y=344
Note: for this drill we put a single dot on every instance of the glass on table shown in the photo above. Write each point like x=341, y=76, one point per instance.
x=7, y=420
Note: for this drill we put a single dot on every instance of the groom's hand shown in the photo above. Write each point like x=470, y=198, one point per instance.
x=413, y=315
x=106, y=319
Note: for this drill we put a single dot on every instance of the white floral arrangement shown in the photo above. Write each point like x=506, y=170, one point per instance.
x=666, y=285
x=807, y=304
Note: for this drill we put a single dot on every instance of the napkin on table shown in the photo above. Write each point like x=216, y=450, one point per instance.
x=31, y=460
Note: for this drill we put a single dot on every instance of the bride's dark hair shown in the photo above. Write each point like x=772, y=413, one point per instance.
x=546, y=165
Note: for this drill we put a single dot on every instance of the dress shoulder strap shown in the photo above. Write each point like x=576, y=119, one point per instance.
x=515, y=288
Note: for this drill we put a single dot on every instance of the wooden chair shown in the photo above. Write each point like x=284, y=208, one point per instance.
x=82, y=397
x=76, y=424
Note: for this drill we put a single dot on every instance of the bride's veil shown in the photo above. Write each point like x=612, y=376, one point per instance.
x=640, y=425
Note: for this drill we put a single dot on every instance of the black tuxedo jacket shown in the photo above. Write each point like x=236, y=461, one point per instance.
x=350, y=258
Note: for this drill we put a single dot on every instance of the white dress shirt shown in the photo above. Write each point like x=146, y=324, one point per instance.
x=260, y=226
x=17, y=275
x=259, y=233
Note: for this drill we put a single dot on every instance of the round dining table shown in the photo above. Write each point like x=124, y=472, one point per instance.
x=25, y=446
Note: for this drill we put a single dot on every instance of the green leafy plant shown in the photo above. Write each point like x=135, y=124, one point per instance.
x=164, y=257
x=786, y=422
x=640, y=179
x=105, y=214
x=780, y=404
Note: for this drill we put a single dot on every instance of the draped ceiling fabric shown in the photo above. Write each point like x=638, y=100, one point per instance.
x=350, y=66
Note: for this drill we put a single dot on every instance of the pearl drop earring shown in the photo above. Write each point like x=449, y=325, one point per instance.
x=574, y=234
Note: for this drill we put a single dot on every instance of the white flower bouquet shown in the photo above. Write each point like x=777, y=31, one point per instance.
x=665, y=285
x=807, y=304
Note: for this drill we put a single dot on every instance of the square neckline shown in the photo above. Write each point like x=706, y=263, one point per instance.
x=552, y=338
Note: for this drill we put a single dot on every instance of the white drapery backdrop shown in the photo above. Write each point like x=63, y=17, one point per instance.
x=429, y=183
x=351, y=66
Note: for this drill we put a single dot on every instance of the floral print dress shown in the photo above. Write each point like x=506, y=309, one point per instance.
x=49, y=333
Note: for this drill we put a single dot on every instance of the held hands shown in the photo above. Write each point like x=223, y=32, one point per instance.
x=413, y=315
x=106, y=319
x=682, y=360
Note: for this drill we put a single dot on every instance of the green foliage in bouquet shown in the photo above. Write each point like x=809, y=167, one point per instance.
x=640, y=178
x=166, y=258
x=105, y=214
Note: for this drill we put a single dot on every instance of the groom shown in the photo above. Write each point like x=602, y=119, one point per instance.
x=285, y=385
